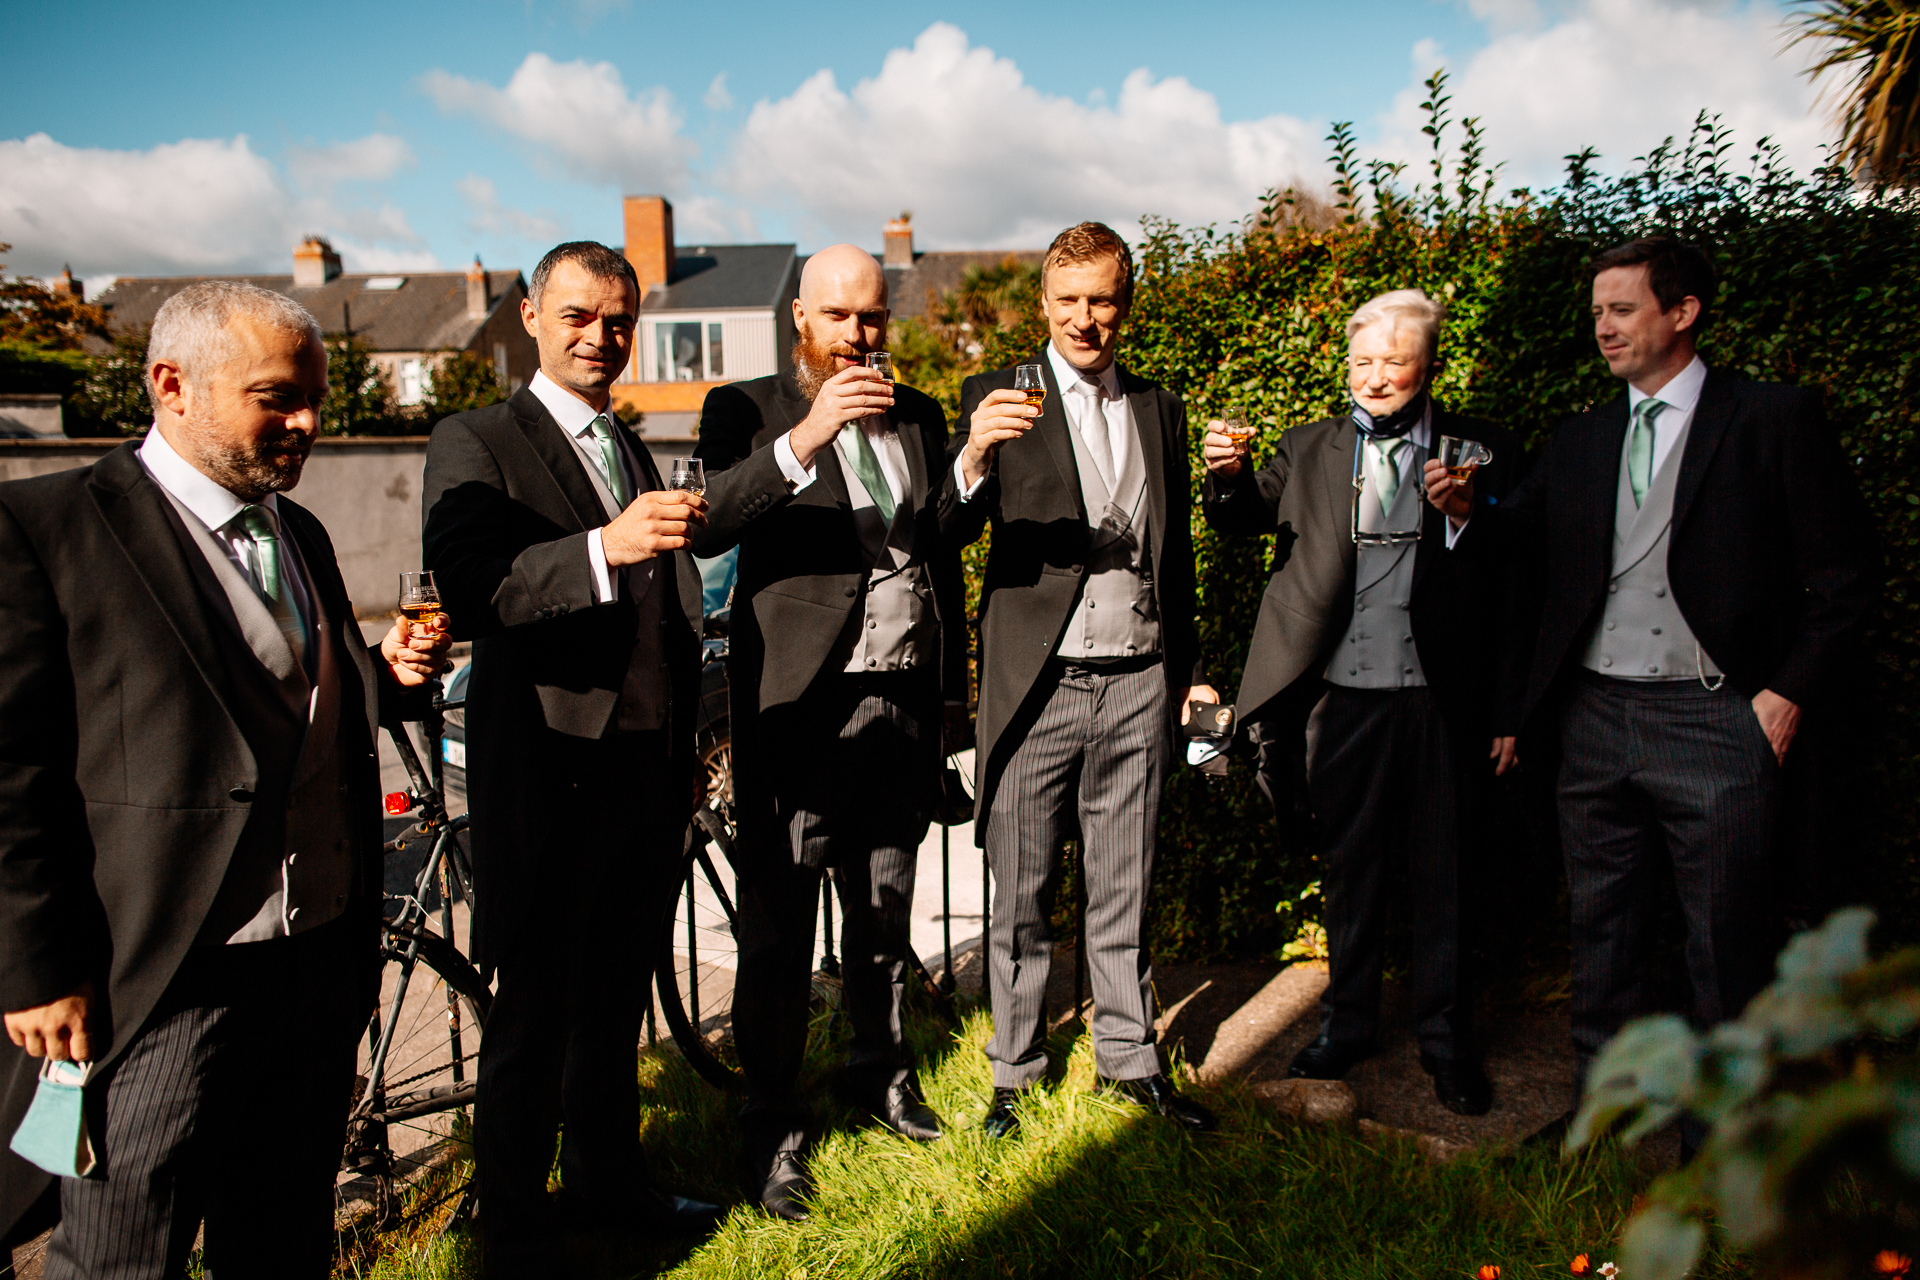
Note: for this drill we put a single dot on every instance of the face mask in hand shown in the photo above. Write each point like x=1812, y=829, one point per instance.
x=54, y=1133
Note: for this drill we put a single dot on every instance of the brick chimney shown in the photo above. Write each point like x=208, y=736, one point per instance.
x=650, y=240
x=314, y=263
x=899, y=242
x=477, y=301
x=68, y=285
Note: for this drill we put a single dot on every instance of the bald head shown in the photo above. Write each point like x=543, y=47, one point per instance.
x=840, y=315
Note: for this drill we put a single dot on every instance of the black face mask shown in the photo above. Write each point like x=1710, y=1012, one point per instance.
x=1393, y=425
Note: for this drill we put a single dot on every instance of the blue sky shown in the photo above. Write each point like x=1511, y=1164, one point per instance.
x=417, y=135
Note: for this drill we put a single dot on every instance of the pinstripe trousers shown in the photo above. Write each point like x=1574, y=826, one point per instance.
x=1092, y=765
x=1664, y=768
x=229, y=1106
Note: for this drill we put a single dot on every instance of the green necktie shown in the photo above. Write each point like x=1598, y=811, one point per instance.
x=259, y=527
x=1640, y=447
x=866, y=465
x=1386, y=470
x=610, y=459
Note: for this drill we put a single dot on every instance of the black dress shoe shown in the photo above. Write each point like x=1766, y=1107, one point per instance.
x=1003, y=1117
x=1325, y=1060
x=1156, y=1093
x=788, y=1188
x=678, y=1215
x=902, y=1110
x=1461, y=1086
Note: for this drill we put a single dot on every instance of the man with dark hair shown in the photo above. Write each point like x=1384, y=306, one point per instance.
x=561, y=555
x=189, y=848
x=1372, y=646
x=848, y=631
x=1088, y=659
x=1704, y=566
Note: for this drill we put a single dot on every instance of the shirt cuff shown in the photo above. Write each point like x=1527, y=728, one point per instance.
x=602, y=576
x=1453, y=533
x=797, y=476
x=960, y=479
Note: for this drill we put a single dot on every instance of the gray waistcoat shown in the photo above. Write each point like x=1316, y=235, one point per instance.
x=1115, y=617
x=643, y=698
x=1641, y=634
x=273, y=893
x=892, y=626
x=1378, y=652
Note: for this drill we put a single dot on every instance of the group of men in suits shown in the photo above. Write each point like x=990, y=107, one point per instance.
x=1680, y=581
x=189, y=863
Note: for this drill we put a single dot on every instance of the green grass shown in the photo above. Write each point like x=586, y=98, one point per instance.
x=1096, y=1188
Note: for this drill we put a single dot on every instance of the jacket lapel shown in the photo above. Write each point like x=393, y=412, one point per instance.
x=1053, y=428
x=1711, y=418
x=550, y=444
x=1596, y=486
x=1150, y=438
x=323, y=578
x=132, y=507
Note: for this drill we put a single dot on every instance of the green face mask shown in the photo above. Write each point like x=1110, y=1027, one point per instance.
x=54, y=1133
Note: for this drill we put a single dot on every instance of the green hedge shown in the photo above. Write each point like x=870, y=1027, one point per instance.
x=1820, y=287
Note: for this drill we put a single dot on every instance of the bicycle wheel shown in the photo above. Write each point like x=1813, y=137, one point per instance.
x=413, y=1112
x=698, y=958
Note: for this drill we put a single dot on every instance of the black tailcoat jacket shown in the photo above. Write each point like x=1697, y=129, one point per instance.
x=1305, y=495
x=508, y=506
x=1772, y=555
x=802, y=565
x=1041, y=541
x=136, y=757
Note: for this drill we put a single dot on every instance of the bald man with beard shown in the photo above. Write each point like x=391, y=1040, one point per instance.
x=828, y=478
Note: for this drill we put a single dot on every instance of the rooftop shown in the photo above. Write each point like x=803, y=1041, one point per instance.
x=916, y=290
x=723, y=276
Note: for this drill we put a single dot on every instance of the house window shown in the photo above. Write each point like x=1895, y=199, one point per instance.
x=715, y=366
x=679, y=351
x=413, y=381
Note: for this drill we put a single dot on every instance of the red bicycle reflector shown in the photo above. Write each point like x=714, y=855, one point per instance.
x=399, y=802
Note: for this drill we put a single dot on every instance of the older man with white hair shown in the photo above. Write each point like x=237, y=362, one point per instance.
x=189, y=818
x=847, y=634
x=1377, y=637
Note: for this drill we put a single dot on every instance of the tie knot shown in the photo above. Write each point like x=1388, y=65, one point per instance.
x=601, y=428
x=256, y=520
x=1649, y=409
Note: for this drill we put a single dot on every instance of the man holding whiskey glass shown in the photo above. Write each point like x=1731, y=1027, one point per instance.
x=1369, y=665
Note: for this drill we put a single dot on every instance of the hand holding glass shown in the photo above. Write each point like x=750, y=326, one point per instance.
x=689, y=475
x=1241, y=432
x=1031, y=382
x=881, y=363
x=1462, y=458
x=419, y=600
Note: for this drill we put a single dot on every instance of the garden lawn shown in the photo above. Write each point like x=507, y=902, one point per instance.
x=1091, y=1187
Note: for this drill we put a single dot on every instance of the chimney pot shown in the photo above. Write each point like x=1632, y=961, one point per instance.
x=899, y=242
x=68, y=285
x=649, y=228
x=477, y=300
x=314, y=263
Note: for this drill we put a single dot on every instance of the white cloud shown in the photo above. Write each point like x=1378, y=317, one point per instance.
x=717, y=97
x=1620, y=75
x=376, y=157
x=703, y=219
x=488, y=216
x=580, y=114
x=198, y=205
x=985, y=160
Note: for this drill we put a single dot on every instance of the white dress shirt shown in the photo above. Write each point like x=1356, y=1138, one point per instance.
x=1681, y=395
x=575, y=417
x=887, y=448
x=216, y=507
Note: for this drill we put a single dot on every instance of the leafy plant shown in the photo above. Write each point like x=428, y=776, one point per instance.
x=460, y=380
x=1815, y=1146
x=114, y=392
x=360, y=397
x=1876, y=45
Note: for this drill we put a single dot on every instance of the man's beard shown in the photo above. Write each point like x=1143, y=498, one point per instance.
x=251, y=469
x=813, y=363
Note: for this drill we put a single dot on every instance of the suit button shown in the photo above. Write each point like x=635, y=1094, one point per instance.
x=1359, y=608
x=1656, y=631
x=1660, y=591
x=243, y=794
x=849, y=593
x=871, y=624
x=873, y=662
x=1406, y=671
x=1613, y=588
x=1606, y=662
x=1403, y=604
x=1653, y=671
x=1409, y=639
x=1609, y=626
x=1091, y=603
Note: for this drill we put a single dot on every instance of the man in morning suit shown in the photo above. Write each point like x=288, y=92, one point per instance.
x=1373, y=625
x=1705, y=566
x=1088, y=658
x=189, y=812
x=847, y=633
x=560, y=553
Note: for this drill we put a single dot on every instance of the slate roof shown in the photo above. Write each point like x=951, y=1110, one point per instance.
x=427, y=313
x=915, y=290
x=717, y=277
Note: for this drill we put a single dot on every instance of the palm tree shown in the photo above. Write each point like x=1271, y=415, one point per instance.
x=1877, y=44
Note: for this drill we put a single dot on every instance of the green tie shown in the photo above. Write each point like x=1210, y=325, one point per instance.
x=1640, y=447
x=1386, y=470
x=259, y=527
x=610, y=459
x=866, y=465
